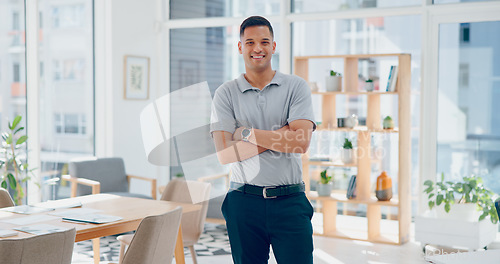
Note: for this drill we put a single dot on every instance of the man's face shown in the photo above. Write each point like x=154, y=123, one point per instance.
x=257, y=47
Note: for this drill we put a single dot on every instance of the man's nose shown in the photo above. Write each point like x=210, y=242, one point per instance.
x=257, y=48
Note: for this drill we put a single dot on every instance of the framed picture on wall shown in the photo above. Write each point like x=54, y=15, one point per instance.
x=136, y=77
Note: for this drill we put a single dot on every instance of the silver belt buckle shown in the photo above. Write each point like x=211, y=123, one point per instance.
x=264, y=193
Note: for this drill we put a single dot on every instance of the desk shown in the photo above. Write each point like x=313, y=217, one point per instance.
x=132, y=210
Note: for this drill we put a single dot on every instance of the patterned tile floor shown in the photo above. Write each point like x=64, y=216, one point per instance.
x=213, y=242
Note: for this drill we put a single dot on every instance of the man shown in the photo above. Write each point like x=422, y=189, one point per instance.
x=261, y=123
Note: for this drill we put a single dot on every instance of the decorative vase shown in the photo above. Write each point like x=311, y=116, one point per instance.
x=351, y=121
x=333, y=83
x=324, y=189
x=369, y=86
x=384, y=187
x=347, y=156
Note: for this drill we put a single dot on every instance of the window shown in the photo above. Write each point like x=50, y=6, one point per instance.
x=15, y=21
x=222, y=8
x=463, y=75
x=309, y=6
x=69, y=70
x=468, y=127
x=465, y=32
x=16, y=73
x=66, y=117
x=70, y=124
x=68, y=16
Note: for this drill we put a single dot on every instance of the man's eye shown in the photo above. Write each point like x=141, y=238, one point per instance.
x=249, y=43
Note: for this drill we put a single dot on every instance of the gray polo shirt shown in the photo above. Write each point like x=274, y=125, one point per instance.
x=285, y=99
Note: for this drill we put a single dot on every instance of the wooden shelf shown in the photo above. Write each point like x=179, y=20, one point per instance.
x=350, y=56
x=355, y=93
x=330, y=164
x=372, y=227
x=359, y=129
x=356, y=228
x=341, y=197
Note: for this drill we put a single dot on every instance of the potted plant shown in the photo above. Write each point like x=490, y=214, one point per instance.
x=369, y=86
x=333, y=83
x=13, y=166
x=324, y=186
x=388, y=123
x=347, y=152
x=472, y=197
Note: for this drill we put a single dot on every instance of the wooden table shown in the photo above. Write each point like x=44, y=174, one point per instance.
x=132, y=210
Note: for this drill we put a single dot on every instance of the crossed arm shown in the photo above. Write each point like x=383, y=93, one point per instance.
x=292, y=138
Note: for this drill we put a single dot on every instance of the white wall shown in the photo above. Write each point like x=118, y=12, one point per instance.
x=133, y=33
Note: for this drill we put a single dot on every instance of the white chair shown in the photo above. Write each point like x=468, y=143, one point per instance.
x=154, y=241
x=55, y=248
x=193, y=222
x=5, y=199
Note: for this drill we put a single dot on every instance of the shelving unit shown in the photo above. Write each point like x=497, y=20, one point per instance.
x=372, y=227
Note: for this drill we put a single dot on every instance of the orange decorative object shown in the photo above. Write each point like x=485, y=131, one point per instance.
x=384, y=187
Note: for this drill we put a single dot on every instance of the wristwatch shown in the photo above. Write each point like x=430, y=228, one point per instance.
x=245, y=134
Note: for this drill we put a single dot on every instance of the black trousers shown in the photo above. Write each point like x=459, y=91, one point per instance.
x=254, y=223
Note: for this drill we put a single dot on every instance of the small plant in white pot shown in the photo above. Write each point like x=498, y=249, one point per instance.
x=333, y=82
x=347, y=152
x=475, y=202
x=325, y=184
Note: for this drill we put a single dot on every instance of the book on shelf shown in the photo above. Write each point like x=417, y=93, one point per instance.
x=351, y=188
x=393, y=78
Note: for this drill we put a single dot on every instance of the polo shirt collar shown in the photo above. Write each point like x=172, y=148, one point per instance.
x=244, y=85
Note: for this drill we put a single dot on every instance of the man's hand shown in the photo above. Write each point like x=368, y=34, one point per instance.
x=237, y=134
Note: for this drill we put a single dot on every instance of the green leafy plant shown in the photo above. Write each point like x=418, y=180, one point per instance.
x=470, y=190
x=13, y=166
x=347, y=144
x=369, y=81
x=334, y=73
x=179, y=175
x=325, y=179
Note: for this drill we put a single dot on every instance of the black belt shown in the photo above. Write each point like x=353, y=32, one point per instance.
x=269, y=191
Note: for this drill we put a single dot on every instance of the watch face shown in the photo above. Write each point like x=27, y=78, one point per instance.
x=245, y=132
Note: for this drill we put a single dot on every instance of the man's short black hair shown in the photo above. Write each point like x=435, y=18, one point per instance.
x=255, y=21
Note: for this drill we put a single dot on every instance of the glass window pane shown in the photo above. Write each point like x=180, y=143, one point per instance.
x=223, y=8
x=66, y=88
x=306, y=6
x=460, y=1
x=398, y=34
x=12, y=62
x=468, y=128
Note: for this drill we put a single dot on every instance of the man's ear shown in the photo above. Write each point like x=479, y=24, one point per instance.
x=274, y=47
x=239, y=47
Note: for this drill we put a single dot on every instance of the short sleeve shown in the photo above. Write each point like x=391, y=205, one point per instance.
x=222, y=116
x=301, y=103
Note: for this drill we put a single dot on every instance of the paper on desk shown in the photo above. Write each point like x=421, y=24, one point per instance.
x=58, y=204
x=75, y=212
x=94, y=218
x=26, y=209
x=40, y=229
x=26, y=220
x=7, y=233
